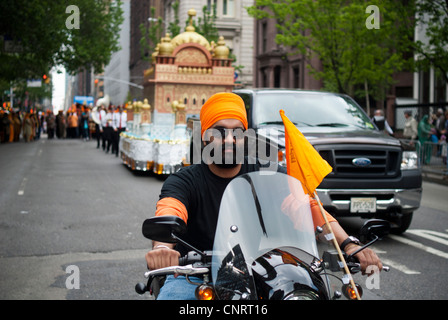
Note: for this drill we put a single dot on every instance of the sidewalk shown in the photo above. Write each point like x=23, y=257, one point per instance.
x=435, y=174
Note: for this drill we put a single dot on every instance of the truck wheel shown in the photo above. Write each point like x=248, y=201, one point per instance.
x=401, y=223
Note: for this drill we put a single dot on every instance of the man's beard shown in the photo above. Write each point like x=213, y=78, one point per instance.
x=228, y=160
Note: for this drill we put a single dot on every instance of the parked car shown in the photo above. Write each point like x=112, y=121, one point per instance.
x=374, y=174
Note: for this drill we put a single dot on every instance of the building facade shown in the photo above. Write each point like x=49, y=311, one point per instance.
x=233, y=23
x=116, y=73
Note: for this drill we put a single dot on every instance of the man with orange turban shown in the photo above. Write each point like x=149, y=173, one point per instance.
x=194, y=193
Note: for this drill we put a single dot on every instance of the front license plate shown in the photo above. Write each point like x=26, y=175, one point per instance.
x=360, y=205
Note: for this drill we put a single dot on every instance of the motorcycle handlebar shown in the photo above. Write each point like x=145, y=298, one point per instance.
x=182, y=270
x=190, y=258
x=355, y=267
x=185, y=267
x=183, y=261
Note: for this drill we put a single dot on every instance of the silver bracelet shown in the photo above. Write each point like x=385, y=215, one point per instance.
x=161, y=246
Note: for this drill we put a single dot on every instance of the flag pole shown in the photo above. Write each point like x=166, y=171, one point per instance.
x=336, y=245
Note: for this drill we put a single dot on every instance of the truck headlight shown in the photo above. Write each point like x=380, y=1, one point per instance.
x=409, y=161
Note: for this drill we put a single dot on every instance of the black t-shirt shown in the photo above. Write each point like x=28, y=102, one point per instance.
x=201, y=192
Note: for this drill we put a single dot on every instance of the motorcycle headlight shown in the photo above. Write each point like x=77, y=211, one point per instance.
x=302, y=295
x=409, y=161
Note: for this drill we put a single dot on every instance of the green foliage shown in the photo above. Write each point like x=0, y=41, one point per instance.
x=434, y=52
x=151, y=36
x=335, y=31
x=42, y=39
x=207, y=24
x=174, y=27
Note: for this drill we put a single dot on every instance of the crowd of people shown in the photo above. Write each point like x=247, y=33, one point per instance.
x=79, y=122
x=432, y=130
x=110, y=122
x=76, y=123
x=14, y=124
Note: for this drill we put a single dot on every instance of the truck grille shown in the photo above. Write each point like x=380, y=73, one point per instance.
x=384, y=161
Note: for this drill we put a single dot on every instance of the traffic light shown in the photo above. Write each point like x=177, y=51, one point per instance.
x=46, y=78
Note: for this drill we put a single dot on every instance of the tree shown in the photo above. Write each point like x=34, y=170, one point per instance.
x=353, y=51
x=433, y=16
x=152, y=35
x=207, y=24
x=39, y=34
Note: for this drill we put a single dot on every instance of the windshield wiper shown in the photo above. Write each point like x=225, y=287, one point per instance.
x=281, y=122
x=332, y=124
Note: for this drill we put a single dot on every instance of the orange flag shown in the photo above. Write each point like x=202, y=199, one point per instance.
x=305, y=163
x=302, y=160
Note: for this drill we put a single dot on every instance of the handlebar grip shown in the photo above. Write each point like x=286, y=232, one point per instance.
x=189, y=258
x=183, y=260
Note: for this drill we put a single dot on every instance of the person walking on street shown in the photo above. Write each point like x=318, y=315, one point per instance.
x=17, y=126
x=410, y=130
x=84, y=124
x=51, y=124
x=381, y=122
x=103, y=124
x=61, y=125
x=424, y=132
x=27, y=128
x=119, y=125
x=73, y=125
x=108, y=129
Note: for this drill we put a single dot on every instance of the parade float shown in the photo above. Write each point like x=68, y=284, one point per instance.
x=185, y=71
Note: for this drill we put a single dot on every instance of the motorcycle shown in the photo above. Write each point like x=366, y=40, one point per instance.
x=265, y=246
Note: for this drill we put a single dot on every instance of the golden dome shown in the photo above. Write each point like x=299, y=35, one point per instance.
x=221, y=50
x=190, y=35
x=166, y=47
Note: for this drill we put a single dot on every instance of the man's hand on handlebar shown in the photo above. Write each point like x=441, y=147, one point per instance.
x=367, y=258
x=162, y=255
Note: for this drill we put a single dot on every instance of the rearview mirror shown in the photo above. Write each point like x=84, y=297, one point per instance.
x=372, y=229
x=163, y=227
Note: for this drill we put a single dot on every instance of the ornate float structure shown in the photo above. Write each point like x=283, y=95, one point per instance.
x=185, y=71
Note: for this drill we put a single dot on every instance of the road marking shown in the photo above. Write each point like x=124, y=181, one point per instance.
x=431, y=235
x=398, y=266
x=419, y=246
x=393, y=264
x=22, y=187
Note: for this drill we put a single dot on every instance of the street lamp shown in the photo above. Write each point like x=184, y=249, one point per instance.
x=121, y=81
x=151, y=19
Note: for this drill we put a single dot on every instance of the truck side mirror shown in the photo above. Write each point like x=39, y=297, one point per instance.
x=373, y=229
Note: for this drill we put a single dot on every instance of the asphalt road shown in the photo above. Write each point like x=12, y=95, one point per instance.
x=68, y=209
x=62, y=203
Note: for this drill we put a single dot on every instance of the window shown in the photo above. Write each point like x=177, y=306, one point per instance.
x=277, y=76
x=264, y=35
x=228, y=8
x=295, y=77
x=211, y=4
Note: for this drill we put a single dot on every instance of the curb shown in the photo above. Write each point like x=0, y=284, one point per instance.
x=435, y=177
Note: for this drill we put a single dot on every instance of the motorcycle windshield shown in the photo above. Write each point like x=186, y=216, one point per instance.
x=259, y=212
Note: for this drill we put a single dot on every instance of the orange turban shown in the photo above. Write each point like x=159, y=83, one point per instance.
x=223, y=105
